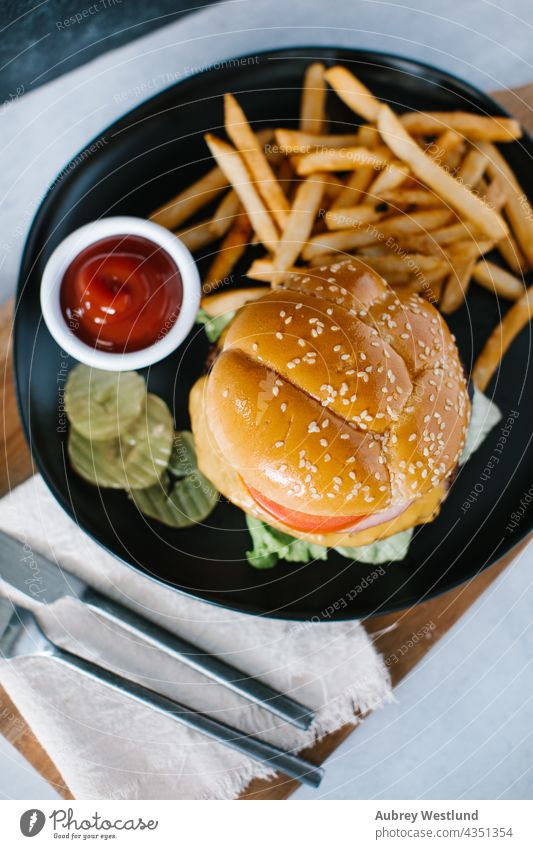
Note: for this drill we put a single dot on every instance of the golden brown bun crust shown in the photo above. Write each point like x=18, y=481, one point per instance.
x=214, y=465
x=335, y=396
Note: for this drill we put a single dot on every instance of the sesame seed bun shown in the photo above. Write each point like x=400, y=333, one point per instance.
x=213, y=463
x=335, y=396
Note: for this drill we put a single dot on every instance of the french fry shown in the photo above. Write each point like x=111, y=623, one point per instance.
x=432, y=290
x=464, y=242
x=323, y=261
x=224, y=214
x=353, y=216
x=417, y=243
x=398, y=269
x=368, y=136
x=392, y=176
x=477, y=127
x=286, y=177
x=428, y=285
x=312, y=110
x=411, y=197
x=295, y=142
x=450, y=190
x=467, y=249
x=197, y=236
x=355, y=189
x=353, y=92
x=501, y=339
x=512, y=255
x=450, y=151
x=229, y=253
x=245, y=141
x=263, y=269
x=496, y=195
x=174, y=212
x=472, y=168
x=447, y=143
x=454, y=159
x=300, y=223
x=339, y=159
x=456, y=286
x=340, y=240
x=415, y=222
x=517, y=207
x=230, y=300
x=455, y=233
x=374, y=250
x=333, y=186
x=189, y=201
x=232, y=165
x=497, y=280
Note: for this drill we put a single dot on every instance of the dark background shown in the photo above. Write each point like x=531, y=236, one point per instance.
x=38, y=42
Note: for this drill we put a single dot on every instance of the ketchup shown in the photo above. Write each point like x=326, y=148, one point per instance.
x=121, y=294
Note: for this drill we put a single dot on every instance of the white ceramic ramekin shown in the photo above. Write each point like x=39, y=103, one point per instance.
x=66, y=252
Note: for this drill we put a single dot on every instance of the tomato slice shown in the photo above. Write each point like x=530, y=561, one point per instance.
x=303, y=521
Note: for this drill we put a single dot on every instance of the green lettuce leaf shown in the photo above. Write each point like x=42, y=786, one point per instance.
x=382, y=551
x=485, y=415
x=214, y=325
x=271, y=545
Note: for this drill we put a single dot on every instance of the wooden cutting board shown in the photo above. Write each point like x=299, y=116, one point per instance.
x=394, y=635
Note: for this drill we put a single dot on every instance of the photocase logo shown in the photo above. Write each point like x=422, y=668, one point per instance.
x=32, y=822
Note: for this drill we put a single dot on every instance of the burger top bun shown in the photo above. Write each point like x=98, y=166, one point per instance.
x=334, y=395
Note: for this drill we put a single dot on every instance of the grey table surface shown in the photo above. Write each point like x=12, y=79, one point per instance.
x=461, y=727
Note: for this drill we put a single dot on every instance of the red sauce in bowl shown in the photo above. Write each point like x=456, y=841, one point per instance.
x=121, y=294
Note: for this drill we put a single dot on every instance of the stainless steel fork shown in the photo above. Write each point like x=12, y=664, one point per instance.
x=21, y=636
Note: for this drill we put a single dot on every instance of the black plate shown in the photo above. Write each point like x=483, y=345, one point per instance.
x=148, y=155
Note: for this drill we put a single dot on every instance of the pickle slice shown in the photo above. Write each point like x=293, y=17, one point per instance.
x=136, y=459
x=102, y=404
x=147, y=444
x=98, y=463
x=183, y=457
x=181, y=504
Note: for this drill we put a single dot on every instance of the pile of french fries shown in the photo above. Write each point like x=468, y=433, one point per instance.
x=421, y=198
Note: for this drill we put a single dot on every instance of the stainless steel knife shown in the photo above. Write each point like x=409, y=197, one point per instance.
x=21, y=636
x=42, y=582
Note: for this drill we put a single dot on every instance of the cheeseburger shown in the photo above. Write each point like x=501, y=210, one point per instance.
x=336, y=409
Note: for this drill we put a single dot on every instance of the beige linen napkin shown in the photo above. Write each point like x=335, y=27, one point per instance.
x=107, y=746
